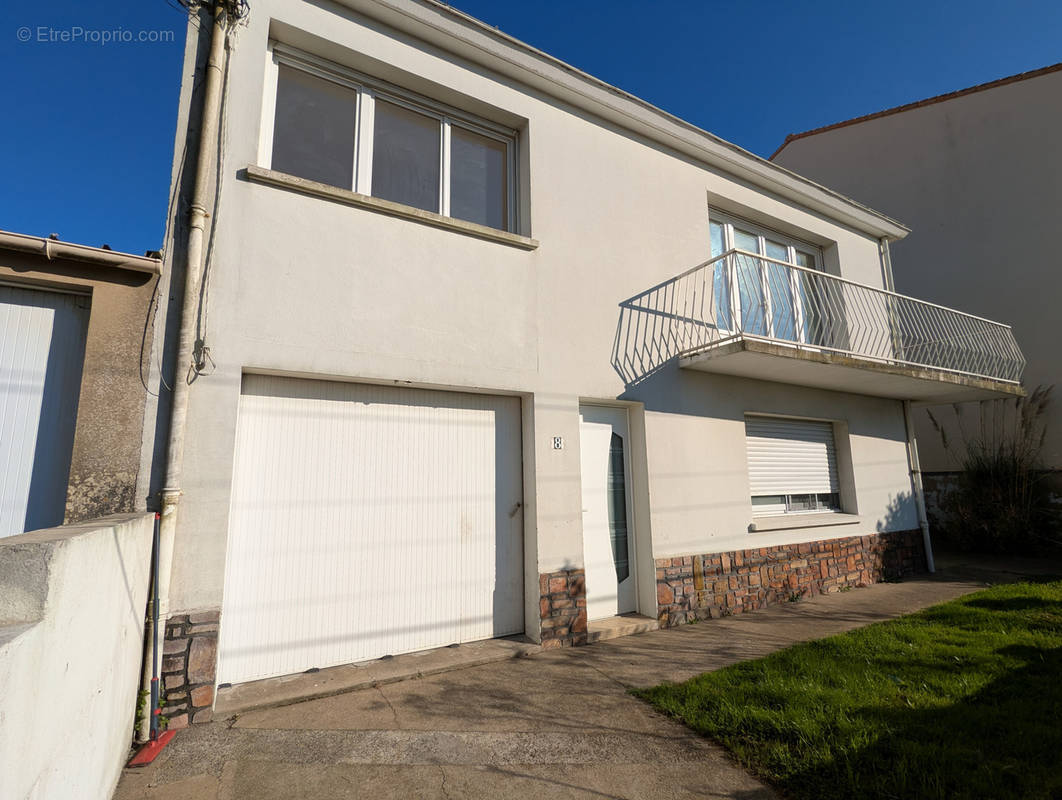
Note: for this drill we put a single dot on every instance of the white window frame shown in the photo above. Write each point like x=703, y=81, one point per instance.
x=793, y=246
x=367, y=90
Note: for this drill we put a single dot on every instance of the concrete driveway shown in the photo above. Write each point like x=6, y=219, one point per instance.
x=556, y=724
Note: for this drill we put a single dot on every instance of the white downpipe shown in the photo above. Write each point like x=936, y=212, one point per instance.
x=886, y=263
x=916, y=485
x=171, y=491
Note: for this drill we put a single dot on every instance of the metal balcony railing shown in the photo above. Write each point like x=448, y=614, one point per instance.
x=742, y=294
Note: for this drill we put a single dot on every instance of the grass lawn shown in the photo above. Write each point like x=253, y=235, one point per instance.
x=962, y=700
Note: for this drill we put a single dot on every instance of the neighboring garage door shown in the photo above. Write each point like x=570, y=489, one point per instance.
x=42, y=348
x=368, y=521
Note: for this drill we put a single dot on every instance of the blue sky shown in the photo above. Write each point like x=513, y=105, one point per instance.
x=87, y=136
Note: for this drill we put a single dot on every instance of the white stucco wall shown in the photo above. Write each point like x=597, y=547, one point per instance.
x=698, y=467
x=72, y=603
x=301, y=285
x=979, y=180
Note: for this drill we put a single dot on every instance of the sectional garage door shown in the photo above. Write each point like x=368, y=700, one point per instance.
x=367, y=521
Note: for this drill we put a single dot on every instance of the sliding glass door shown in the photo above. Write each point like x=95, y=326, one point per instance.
x=757, y=289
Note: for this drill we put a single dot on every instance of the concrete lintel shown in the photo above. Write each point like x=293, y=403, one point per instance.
x=323, y=190
x=823, y=369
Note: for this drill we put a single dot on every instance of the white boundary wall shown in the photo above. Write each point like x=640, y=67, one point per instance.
x=72, y=604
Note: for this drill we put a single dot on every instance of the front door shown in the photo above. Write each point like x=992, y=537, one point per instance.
x=608, y=542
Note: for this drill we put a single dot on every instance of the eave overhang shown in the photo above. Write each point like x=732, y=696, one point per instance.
x=458, y=33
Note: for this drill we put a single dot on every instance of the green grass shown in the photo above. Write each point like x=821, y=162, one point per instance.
x=962, y=700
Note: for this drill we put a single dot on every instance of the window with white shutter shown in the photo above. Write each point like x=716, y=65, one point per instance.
x=792, y=466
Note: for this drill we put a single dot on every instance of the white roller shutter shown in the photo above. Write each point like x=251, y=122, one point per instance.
x=790, y=456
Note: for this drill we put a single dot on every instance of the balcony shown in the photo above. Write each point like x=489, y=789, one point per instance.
x=751, y=316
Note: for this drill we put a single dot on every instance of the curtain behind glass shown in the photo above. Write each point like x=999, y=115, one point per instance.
x=313, y=128
x=405, y=156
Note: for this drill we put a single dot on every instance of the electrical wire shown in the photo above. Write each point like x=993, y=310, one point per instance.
x=202, y=354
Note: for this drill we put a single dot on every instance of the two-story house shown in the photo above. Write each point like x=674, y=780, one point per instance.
x=478, y=345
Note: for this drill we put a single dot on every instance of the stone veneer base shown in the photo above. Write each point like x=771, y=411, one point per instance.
x=562, y=607
x=714, y=585
x=189, y=664
x=688, y=588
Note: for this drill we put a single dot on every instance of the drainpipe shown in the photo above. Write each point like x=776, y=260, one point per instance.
x=890, y=285
x=171, y=491
x=886, y=263
x=916, y=484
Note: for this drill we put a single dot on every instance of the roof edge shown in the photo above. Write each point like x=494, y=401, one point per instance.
x=929, y=101
x=464, y=35
x=51, y=249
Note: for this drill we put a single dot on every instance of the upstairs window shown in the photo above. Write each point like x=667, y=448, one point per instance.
x=339, y=128
x=792, y=466
x=761, y=294
x=406, y=166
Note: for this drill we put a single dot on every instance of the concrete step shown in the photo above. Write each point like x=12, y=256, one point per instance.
x=287, y=689
x=622, y=625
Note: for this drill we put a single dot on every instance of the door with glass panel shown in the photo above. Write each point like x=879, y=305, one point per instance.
x=608, y=541
x=757, y=291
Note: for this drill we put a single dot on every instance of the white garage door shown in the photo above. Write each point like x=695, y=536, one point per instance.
x=367, y=521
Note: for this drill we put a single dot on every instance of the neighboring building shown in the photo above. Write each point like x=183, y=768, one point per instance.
x=74, y=325
x=458, y=374
x=977, y=173
x=76, y=329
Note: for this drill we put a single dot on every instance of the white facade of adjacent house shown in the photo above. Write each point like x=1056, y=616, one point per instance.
x=978, y=175
x=465, y=383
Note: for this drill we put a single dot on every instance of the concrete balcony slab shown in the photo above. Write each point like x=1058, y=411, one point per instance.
x=802, y=365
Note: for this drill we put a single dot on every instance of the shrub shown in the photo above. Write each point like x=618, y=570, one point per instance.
x=1001, y=501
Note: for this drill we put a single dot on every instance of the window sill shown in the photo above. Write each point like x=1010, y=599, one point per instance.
x=323, y=190
x=784, y=522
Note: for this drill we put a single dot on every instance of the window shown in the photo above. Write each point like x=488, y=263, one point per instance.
x=792, y=466
x=311, y=131
x=478, y=178
x=617, y=508
x=763, y=295
x=336, y=127
x=405, y=157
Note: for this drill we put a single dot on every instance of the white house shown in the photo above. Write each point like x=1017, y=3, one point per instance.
x=479, y=345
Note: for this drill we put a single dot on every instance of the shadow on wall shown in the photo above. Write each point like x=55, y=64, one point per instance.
x=657, y=326
x=901, y=514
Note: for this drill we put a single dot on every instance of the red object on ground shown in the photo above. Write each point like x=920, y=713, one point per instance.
x=146, y=754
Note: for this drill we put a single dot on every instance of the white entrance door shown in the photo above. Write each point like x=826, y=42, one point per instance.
x=367, y=521
x=608, y=535
x=42, y=348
